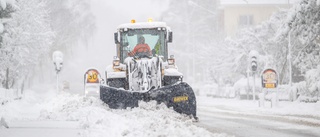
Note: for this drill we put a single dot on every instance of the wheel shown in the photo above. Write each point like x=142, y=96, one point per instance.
x=169, y=80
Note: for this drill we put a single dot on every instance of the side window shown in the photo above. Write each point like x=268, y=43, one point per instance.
x=151, y=40
x=162, y=44
x=157, y=47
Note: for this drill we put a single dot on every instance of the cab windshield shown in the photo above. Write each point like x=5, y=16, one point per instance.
x=132, y=39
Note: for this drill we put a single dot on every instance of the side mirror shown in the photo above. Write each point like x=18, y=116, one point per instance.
x=170, y=37
x=116, y=40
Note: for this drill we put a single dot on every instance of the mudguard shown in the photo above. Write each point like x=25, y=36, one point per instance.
x=179, y=96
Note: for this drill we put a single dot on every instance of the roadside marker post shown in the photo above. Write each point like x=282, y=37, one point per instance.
x=57, y=58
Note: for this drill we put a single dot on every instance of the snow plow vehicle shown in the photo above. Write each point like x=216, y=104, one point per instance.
x=143, y=70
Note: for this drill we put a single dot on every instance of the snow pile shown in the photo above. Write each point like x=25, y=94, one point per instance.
x=313, y=82
x=308, y=90
x=3, y=95
x=27, y=108
x=147, y=120
x=68, y=107
x=241, y=86
x=8, y=95
x=97, y=119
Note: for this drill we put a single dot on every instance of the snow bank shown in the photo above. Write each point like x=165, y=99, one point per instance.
x=147, y=120
x=1, y=27
x=7, y=95
x=27, y=108
x=241, y=86
x=309, y=90
x=96, y=119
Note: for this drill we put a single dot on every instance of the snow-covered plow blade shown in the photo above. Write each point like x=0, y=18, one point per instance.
x=179, y=96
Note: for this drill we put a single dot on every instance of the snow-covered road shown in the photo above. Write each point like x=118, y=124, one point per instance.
x=41, y=129
x=50, y=114
x=245, y=119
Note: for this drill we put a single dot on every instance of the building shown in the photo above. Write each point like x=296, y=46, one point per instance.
x=237, y=14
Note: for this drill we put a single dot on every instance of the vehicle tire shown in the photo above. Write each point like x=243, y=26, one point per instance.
x=169, y=80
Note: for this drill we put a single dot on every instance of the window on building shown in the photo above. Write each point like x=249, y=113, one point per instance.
x=245, y=20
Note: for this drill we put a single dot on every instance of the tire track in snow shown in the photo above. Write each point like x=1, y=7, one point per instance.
x=293, y=119
x=221, y=119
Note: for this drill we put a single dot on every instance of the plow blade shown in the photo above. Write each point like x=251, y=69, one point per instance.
x=179, y=96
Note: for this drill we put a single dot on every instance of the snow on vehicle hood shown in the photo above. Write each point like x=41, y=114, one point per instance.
x=143, y=25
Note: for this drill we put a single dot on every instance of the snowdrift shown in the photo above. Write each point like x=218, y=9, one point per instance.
x=97, y=119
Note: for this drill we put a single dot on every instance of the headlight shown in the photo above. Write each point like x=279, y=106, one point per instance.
x=171, y=60
x=116, y=62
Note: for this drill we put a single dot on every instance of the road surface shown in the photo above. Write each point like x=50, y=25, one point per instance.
x=222, y=119
x=41, y=129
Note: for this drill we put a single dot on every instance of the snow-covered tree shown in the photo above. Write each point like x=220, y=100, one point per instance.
x=312, y=82
x=5, y=13
x=194, y=24
x=73, y=25
x=35, y=29
x=303, y=26
x=302, y=29
x=6, y=9
x=28, y=39
x=72, y=22
x=232, y=60
x=271, y=40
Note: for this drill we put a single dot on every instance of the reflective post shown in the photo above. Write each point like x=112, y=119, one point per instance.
x=57, y=58
x=289, y=60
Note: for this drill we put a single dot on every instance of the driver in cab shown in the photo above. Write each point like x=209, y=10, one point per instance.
x=141, y=49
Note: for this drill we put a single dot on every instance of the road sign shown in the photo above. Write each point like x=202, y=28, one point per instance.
x=269, y=78
x=92, y=76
